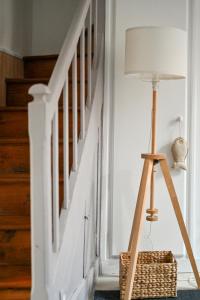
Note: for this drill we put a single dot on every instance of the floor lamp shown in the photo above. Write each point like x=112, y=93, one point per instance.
x=154, y=54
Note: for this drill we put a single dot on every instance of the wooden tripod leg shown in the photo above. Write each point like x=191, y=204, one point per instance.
x=136, y=228
x=146, y=176
x=177, y=209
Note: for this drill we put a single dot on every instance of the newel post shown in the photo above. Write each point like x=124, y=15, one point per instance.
x=41, y=210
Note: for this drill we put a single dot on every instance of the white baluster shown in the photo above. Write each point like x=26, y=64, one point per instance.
x=82, y=82
x=66, y=142
x=89, y=57
x=74, y=107
x=55, y=182
x=41, y=199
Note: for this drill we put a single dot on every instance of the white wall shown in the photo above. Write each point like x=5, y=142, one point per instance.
x=131, y=131
x=34, y=27
x=51, y=19
x=15, y=26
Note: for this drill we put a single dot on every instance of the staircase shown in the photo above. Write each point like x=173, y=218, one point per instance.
x=15, y=250
x=51, y=224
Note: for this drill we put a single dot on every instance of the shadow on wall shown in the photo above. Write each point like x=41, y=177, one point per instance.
x=166, y=149
x=17, y=25
x=49, y=26
x=125, y=199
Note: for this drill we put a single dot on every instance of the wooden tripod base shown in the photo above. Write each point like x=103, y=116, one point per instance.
x=149, y=161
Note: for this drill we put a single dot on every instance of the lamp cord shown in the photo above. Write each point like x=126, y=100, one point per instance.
x=180, y=128
x=148, y=237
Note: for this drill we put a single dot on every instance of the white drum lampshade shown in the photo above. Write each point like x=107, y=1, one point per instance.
x=156, y=53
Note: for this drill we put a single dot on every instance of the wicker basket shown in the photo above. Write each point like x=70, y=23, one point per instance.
x=156, y=275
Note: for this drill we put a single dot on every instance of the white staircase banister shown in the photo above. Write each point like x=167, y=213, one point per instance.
x=58, y=76
x=50, y=145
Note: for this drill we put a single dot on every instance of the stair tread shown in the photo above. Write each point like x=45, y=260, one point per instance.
x=35, y=80
x=15, y=277
x=15, y=294
x=44, y=57
x=14, y=222
x=18, y=177
x=13, y=108
x=22, y=140
x=23, y=108
x=26, y=80
x=40, y=57
x=13, y=177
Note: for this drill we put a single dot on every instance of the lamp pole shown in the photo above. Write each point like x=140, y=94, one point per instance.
x=152, y=211
x=154, y=110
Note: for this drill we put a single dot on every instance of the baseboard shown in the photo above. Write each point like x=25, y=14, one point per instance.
x=110, y=267
x=109, y=275
x=185, y=281
x=105, y=283
x=11, y=52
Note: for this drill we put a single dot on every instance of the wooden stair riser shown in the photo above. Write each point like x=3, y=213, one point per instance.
x=15, y=197
x=15, y=294
x=12, y=244
x=15, y=158
x=17, y=92
x=39, y=67
x=43, y=68
x=14, y=124
x=15, y=277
